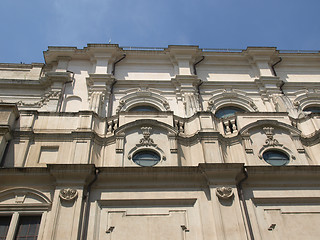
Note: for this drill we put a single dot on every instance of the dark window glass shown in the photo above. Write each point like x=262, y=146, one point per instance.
x=4, y=226
x=143, y=108
x=28, y=227
x=146, y=158
x=227, y=111
x=275, y=158
x=314, y=109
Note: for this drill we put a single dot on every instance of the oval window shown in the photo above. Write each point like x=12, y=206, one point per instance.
x=275, y=158
x=143, y=108
x=228, y=111
x=146, y=158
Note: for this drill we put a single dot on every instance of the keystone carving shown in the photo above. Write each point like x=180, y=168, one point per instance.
x=68, y=194
x=224, y=192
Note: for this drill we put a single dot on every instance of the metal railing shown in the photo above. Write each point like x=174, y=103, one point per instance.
x=236, y=50
x=143, y=48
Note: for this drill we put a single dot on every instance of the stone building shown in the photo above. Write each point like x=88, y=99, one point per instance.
x=182, y=143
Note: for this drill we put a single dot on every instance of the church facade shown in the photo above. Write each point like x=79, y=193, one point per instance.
x=108, y=142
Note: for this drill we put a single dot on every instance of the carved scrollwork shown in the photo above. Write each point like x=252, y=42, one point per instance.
x=146, y=140
x=68, y=194
x=270, y=141
x=224, y=192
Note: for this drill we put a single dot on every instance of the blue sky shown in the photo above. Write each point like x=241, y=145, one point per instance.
x=28, y=27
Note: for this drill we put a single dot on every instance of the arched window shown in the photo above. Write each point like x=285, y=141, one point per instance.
x=313, y=109
x=143, y=108
x=146, y=158
x=228, y=111
x=275, y=157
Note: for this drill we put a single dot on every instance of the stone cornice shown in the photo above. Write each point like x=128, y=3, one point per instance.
x=284, y=175
x=169, y=177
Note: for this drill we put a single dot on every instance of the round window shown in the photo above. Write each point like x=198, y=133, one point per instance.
x=227, y=111
x=146, y=158
x=275, y=158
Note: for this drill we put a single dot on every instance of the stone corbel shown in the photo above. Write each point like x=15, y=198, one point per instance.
x=99, y=87
x=186, y=91
x=63, y=62
x=182, y=57
x=269, y=86
x=102, y=56
x=262, y=58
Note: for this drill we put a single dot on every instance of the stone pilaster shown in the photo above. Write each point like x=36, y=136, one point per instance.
x=8, y=115
x=68, y=200
x=222, y=182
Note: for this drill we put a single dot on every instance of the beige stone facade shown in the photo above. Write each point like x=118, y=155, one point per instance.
x=178, y=143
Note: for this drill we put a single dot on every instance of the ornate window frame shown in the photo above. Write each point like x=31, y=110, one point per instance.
x=172, y=133
x=267, y=126
x=273, y=144
x=143, y=98
x=231, y=98
x=20, y=208
x=279, y=148
x=307, y=100
x=146, y=144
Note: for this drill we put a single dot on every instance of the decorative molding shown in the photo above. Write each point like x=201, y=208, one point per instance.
x=146, y=143
x=146, y=140
x=307, y=99
x=68, y=194
x=247, y=142
x=99, y=87
x=296, y=140
x=142, y=97
x=20, y=197
x=173, y=143
x=270, y=140
x=120, y=142
x=21, y=194
x=224, y=192
x=272, y=143
x=227, y=97
x=179, y=124
x=45, y=98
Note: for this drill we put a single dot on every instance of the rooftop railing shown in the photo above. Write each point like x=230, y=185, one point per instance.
x=214, y=50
